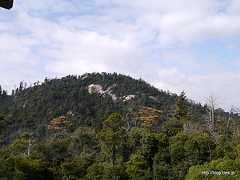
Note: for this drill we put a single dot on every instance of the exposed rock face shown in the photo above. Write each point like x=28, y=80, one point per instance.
x=114, y=97
x=95, y=89
x=98, y=89
x=128, y=97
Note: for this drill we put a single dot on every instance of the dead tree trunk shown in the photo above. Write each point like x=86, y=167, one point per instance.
x=211, y=104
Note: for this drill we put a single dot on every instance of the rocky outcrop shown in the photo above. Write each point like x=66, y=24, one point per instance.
x=128, y=97
x=98, y=89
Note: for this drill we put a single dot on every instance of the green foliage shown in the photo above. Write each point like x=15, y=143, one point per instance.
x=137, y=167
x=161, y=165
x=77, y=167
x=83, y=139
x=111, y=137
x=34, y=107
x=225, y=149
x=30, y=169
x=217, y=170
x=20, y=144
x=97, y=137
x=188, y=150
x=95, y=172
x=53, y=151
x=182, y=108
x=177, y=150
x=199, y=148
x=23, y=168
x=172, y=127
x=150, y=151
x=113, y=122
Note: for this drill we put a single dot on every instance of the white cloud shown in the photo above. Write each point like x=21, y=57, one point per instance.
x=150, y=39
x=89, y=51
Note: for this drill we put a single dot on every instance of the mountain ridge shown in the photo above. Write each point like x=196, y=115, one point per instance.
x=90, y=97
x=110, y=126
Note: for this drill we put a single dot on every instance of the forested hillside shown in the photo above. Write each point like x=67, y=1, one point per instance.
x=111, y=126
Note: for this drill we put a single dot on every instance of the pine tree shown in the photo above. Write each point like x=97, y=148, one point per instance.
x=181, y=106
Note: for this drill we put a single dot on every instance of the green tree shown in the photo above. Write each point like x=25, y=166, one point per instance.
x=182, y=108
x=172, y=127
x=111, y=137
x=76, y=168
x=216, y=170
x=28, y=169
x=199, y=148
x=144, y=162
x=137, y=167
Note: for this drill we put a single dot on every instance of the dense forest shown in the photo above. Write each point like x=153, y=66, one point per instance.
x=102, y=126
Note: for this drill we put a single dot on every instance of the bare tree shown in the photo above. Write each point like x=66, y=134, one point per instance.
x=233, y=111
x=211, y=121
x=129, y=122
x=29, y=147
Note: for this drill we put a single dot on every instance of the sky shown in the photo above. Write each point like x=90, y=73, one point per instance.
x=176, y=45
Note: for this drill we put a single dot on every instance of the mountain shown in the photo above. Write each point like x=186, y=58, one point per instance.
x=111, y=126
x=89, y=99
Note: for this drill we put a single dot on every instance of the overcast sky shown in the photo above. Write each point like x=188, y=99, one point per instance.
x=191, y=45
